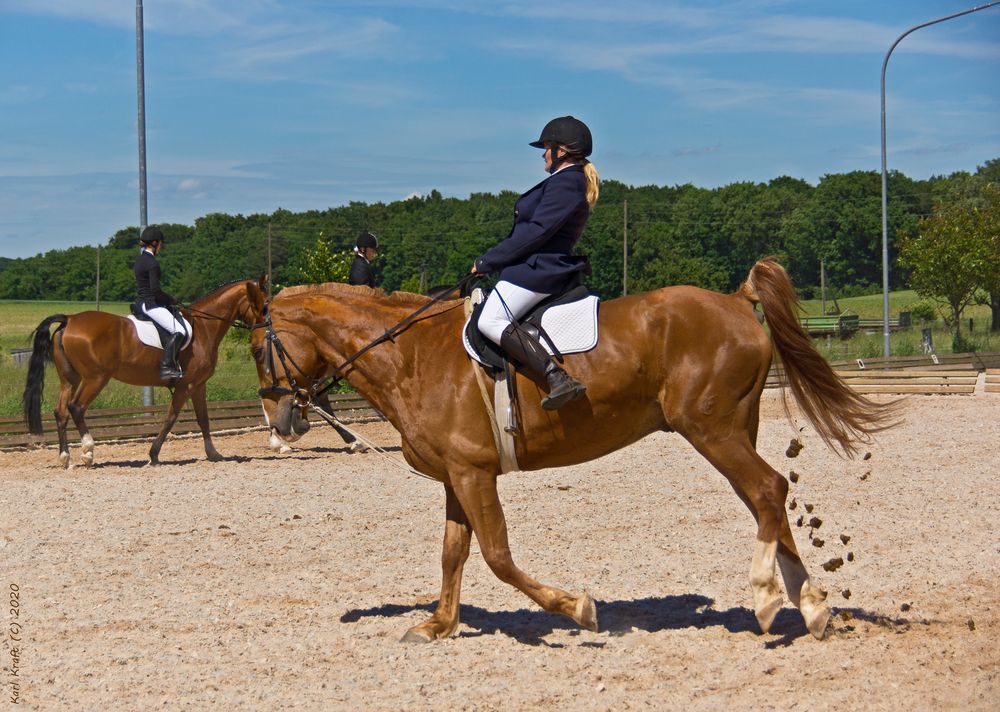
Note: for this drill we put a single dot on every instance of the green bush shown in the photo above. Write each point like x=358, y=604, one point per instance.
x=922, y=311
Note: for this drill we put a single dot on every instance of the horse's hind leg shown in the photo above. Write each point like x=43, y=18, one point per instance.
x=810, y=600
x=764, y=490
x=85, y=395
x=457, y=536
x=67, y=385
x=477, y=493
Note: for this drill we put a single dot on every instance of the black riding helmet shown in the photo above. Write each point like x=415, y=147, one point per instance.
x=151, y=234
x=366, y=239
x=569, y=132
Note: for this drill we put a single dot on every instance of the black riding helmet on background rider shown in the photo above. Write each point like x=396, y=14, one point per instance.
x=366, y=239
x=571, y=134
x=150, y=235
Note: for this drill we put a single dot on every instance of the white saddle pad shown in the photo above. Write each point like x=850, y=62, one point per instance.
x=572, y=327
x=148, y=334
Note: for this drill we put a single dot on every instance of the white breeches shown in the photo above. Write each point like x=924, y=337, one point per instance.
x=506, y=303
x=164, y=318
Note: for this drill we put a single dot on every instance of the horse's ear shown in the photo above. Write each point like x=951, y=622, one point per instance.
x=257, y=294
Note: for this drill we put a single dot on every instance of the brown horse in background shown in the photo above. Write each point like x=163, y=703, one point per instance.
x=678, y=358
x=92, y=347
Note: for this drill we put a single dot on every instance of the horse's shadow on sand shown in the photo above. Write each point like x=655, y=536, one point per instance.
x=618, y=618
x=163, y=464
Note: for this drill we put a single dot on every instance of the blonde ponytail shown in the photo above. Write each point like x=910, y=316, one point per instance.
x=593, y=182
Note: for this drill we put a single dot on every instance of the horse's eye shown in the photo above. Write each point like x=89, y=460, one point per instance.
x=257, y=353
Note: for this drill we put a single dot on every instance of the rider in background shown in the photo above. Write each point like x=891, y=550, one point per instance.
x=536, y=258
x=153, y=301
x=361, y=269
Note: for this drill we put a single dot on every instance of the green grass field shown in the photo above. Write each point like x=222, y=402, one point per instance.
x=235, y=376
x=906, y=342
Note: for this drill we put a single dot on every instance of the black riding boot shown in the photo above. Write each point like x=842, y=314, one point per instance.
x=526, y=350
x=169, y=368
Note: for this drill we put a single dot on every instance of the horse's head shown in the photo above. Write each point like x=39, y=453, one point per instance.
x=286, y=367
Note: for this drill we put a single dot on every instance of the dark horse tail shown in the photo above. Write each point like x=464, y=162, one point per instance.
x=841, y=416
x=41, y=353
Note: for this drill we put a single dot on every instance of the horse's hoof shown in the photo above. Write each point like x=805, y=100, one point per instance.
x=64, y=459
x=87, y=459
x=413, y=635
x=214, y=457
x=817, y=620
x=767, y=612
x=284, y=449
x=585, y=612
x=357, y=446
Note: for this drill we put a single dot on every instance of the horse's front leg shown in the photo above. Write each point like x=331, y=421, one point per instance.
x=353, y=444
x=477, y=493
x=277, y=444
x=201, y=413
x=177, y=402
x=457, y=536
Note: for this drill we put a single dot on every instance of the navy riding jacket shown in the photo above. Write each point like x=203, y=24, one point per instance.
x=537, y=254
x=147, y=282
x=361, y=272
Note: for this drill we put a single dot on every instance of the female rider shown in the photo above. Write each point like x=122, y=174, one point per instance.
x=536, y=258
x=153, y=301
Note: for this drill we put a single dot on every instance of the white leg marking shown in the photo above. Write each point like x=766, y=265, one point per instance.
x=87, y=449
x=766, y=594
x=810, y=600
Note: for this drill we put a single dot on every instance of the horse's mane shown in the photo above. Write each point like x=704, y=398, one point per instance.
x=339, y=289
x=222, y=286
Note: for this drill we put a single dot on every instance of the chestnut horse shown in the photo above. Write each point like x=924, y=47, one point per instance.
x=676, y=359
x=92, y=347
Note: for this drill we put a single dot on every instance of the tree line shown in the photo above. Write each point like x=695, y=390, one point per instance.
x=682, y=234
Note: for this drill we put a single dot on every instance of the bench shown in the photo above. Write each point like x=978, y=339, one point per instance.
x=842, y=325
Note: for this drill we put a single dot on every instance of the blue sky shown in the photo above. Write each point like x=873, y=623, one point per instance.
x=252, y=105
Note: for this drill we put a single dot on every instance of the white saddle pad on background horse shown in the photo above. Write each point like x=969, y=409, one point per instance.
x=148, y=334
x=572, y=328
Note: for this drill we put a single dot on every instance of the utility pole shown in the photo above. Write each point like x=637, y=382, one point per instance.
x=885, y=176
x=822, y=284
x=140, y=86
x=625, y=250
x=97, y=289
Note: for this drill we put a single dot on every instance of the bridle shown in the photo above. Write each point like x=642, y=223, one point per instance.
x=305, y=395
x=275, y=348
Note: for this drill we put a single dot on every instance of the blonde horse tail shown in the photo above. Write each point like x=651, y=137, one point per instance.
x=843, y=418
x=41, y=353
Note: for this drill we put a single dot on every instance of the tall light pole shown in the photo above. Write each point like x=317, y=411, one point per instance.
x=140, y=88
x=885, y=176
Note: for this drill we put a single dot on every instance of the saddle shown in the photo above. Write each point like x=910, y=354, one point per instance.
x=564, y=324
x=151, y=333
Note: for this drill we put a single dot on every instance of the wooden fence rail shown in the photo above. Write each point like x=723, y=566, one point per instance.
x=973, y=363
x=145, y=421
x=947, y=373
